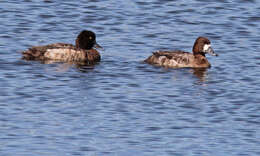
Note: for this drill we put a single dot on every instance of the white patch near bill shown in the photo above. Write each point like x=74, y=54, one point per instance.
x=206, y=47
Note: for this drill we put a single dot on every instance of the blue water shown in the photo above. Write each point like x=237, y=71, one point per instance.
x=122, y=106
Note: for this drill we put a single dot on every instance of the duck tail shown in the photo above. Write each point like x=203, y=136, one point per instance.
x=32, y=54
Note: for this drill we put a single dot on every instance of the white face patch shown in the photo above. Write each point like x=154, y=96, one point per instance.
x=206, y=47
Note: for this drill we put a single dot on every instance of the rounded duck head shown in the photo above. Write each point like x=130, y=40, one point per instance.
x=86, y=40
x=202, y=46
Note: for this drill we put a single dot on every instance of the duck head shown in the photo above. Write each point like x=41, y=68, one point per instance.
x=87, y=40
x=202, y=46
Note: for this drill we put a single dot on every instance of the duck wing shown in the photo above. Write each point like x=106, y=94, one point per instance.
x=165, y=57
x=171, y=54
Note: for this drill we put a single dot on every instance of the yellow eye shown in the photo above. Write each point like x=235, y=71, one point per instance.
x=90, y=38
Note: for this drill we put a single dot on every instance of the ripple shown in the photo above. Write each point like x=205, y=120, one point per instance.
x=123, y=106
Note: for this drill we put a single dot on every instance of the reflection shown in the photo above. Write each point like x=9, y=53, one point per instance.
x=64, y=67
x=201, y=73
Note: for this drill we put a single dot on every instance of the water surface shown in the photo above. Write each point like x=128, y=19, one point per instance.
x=122, y=106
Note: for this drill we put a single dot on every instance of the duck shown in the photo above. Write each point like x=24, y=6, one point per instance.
x=83, y=51
x=182, y=59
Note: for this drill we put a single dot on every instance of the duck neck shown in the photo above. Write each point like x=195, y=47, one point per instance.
x=199, y=54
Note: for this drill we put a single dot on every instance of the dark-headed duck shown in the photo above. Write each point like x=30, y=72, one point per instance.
x=180, y=59
x=83, y=51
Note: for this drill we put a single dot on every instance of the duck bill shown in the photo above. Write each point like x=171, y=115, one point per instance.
x=211, y=52
x=97, y=46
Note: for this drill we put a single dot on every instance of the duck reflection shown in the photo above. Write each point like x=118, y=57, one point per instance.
x=64, y=67
x=201, y=73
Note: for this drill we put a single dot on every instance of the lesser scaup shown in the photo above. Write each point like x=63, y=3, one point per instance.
x=83, y=51
x=180, y=59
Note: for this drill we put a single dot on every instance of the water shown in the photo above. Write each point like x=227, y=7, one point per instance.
x=122, y=106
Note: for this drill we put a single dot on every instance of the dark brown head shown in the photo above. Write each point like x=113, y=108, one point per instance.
x=202, y=46
x=86, y=40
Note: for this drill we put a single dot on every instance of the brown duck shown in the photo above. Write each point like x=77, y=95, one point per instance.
x=181, y=59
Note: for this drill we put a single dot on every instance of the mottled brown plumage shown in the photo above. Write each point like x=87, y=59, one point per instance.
x=82, y=52
x=181, y=59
